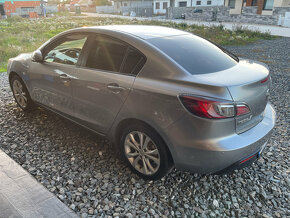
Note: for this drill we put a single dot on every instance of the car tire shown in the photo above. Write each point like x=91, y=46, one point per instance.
x=153, y=152
x=21, y=94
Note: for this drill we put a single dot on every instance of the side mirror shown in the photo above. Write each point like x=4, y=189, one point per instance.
x=37, y=56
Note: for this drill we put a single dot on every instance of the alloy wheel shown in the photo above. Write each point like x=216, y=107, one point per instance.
x=142, y=153
x=19, y=93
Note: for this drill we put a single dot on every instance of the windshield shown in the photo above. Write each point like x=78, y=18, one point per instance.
x=195, y=54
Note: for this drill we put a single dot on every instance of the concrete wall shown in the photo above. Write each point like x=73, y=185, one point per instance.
x=51, y=8
x=106, y=9
x=222, y=14
x=141, y=8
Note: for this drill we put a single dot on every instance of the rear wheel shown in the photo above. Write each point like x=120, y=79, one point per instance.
x=145, y=152
x=21, y=94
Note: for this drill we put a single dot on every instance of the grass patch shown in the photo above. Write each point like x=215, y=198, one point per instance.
x=19, y=35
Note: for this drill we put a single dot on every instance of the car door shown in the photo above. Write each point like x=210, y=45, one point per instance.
x=51, y=78
x=102, y=84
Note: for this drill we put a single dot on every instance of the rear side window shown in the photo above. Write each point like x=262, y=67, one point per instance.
x=106, y=54
x=134, y=62
x=195, y=54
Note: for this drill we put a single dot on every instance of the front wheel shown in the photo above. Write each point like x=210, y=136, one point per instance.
x=21, y=94
x=145, y=152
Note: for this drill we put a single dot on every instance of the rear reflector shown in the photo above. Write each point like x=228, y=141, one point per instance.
x=247, y=159
x=242, y=109
x=265, y=80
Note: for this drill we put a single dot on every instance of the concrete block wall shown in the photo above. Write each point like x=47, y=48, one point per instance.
x=221, y=13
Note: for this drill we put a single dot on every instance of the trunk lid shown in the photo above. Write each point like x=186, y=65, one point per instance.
x=246, y=84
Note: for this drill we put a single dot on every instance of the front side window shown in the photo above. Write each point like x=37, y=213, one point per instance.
x=67, y=50
x=268, y=4
x=106, y=53
x=232, y=3
x=195, y=54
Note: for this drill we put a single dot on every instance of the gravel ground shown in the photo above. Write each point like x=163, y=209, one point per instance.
x=82, y=169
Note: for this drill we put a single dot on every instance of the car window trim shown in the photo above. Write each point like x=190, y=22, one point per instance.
x=58, y=64
x=104, y=71
x=87, y=48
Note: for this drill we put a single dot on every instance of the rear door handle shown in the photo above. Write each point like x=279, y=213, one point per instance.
x=64, y=76
x=114, y=87
x=65, y=79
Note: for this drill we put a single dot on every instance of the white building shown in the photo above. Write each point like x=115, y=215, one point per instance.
x=160, y=6
x=195, y=3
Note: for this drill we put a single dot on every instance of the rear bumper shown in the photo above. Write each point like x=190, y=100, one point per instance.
x=222, y=155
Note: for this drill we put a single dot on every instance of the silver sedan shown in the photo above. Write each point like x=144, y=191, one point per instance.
x=165, y=97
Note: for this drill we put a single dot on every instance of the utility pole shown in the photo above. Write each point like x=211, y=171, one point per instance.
x=41, y=7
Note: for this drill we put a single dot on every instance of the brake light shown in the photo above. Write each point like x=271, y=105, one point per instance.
x=208, y=108
x=212, y=108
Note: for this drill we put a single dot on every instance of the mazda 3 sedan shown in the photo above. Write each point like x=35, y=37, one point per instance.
x=165, y=97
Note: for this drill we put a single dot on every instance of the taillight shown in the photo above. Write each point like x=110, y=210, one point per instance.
x=212, y=108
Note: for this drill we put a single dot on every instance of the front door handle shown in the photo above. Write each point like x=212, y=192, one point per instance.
x=114, y=87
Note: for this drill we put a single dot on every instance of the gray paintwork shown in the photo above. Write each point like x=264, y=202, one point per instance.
x=196, y=144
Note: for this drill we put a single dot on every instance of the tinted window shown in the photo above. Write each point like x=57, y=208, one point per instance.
x=106, y=53
x=134, y=62
x=67, y=50
x=195, y=54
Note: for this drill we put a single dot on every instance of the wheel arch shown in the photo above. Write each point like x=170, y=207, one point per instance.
x=11, y=75
x=130, y=121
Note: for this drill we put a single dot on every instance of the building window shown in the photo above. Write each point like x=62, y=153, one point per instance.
x=208, y=2
x=165, y=5
x=254, y=3
x=198, y=2
x=268, y=5
x=157, y=5
x=232, y=3
x=182, y=4
x=125, y=4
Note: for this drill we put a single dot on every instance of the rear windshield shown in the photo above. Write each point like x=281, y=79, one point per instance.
x=195, y=54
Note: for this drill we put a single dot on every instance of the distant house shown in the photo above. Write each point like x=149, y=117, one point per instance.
x=140, y=7
x=160, y=6
x=20, y=7
x=264, y=7
x=196, y=3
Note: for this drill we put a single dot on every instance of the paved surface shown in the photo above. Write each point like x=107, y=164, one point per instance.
x=273, y=30
x=22, y=196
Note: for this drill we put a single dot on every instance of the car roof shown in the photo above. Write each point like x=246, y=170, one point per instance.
x=144, y=31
